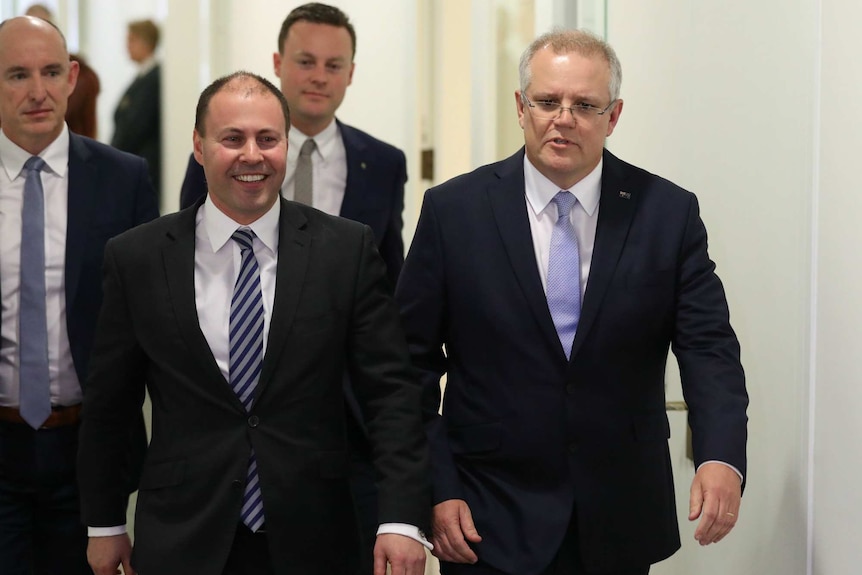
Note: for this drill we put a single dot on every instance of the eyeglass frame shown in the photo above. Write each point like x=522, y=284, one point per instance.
x=571, y=109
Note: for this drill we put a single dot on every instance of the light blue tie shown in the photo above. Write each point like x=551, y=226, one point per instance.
x=564, y=273
x=246, y=357
x=35, y=385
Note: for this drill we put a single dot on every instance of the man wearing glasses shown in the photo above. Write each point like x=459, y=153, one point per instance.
x=556, y=281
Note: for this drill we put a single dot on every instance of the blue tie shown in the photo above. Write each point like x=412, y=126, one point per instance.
x=246, y=357
x=564, y=273
x=35, y=385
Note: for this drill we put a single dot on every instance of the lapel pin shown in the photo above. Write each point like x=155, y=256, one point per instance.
x=625, y=195
x=362, y=165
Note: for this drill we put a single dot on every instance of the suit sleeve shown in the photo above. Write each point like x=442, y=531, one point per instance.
x=379, y=366
x=146, y=199
x=392, y=244
x=113, y=399
x=707, y=351
x=194, y=184
x=421, y=296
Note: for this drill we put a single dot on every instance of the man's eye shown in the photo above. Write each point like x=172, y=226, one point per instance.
x=583, y=107
x=547, y=104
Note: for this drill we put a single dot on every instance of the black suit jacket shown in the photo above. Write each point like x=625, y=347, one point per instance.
x=373, y=194
x=332, y=312
x=138, y=123
x=109, y=193
x=527, y=437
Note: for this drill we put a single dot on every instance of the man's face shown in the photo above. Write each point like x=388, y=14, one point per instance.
x=565, y=149
x=315, y=68
x=36, y=78
x=138, y=48
x=244, y=151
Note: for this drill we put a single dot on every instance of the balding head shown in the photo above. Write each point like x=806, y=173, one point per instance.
x=36, y=78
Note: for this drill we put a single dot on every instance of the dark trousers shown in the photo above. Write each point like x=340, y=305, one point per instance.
x=566, y=562
x=40, y=524
x=249, y=554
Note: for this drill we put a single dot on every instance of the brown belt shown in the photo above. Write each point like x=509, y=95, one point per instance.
x=60, y=416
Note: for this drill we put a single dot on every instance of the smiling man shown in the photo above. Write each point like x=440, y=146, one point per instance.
x=241, y=317
x=553, y=327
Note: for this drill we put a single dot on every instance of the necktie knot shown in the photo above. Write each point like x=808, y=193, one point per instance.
x=565, y=201
x=244, y=237
x=308, y=147
x=34, y=163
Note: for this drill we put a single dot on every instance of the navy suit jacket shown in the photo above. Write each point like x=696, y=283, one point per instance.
x=373, y=194
x=526, y=437
x=332, y=313
x=109, y=193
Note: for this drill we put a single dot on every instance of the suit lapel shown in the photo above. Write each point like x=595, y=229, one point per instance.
x=294, y=245
x=82, y=179
x=354, y=188
x=616, y=210
x=179, y=260
x=510, y=212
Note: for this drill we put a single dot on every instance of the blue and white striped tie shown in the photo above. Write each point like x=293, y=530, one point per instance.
x=246, y=357
x=564, y=273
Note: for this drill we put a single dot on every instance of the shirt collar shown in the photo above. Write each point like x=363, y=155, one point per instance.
x=325, y=140
x=147, y=65
x=219, y=227
x=56, y=155
x=540, y=190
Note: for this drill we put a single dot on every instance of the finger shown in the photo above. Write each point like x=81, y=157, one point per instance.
x=695, y=501
x=379, y=562
x=708, y=515
x=458, y=548
x=467, y=525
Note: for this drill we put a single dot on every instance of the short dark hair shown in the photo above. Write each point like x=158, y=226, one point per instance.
x=221, y=83
x=316, y=13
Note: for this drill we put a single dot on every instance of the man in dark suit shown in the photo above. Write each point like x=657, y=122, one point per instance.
x=138, y=116
x=243, y=343
x=354, y=175
x=87, y=192
x=557, y=280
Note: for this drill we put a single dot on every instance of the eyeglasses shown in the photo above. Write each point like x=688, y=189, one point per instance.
x=550, y=110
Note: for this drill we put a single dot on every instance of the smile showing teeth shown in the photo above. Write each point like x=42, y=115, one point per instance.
x=560, y=141
x=249, y=177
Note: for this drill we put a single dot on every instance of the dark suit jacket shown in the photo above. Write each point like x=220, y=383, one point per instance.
x=109, y=193
x=527, y=437
x=332, y=312
x=373, y=194
x=138, y=123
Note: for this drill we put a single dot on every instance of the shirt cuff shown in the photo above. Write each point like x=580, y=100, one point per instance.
x=105, y=531
x=722, y=463
x=406, y=530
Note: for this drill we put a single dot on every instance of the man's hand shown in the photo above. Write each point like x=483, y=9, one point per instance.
x=405, y=556
x=716, y=493
x=452, y=526
x=106, y=554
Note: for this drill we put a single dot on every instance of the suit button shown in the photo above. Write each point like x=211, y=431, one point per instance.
x=253, y=421
x=236, y=483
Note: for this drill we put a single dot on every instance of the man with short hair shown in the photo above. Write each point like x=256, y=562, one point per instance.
x=62, y=196
x=557, y=280
x=241, y=316
x=138, y=116
x=348, y=173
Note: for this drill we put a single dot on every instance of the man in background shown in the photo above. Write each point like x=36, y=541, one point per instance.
x=548, y=287
x=138, y=116
x=241, y=316
x=337, y=169
x=62, y=197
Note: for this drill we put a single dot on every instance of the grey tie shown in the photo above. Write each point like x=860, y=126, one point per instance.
x=35, y=388
x=303, y=181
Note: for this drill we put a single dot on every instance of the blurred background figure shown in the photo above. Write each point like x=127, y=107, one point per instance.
x=40, y=11
x=137, y=119
x=81, y=114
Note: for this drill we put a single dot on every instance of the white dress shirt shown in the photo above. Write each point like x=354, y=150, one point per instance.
x=65, y=387
x=328, y=168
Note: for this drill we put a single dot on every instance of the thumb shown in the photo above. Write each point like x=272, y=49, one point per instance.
x=695, y=500
x=467, y=525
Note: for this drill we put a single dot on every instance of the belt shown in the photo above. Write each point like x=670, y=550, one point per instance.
x=60, y=416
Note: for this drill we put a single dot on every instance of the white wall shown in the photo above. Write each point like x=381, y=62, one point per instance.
x=719, y=97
